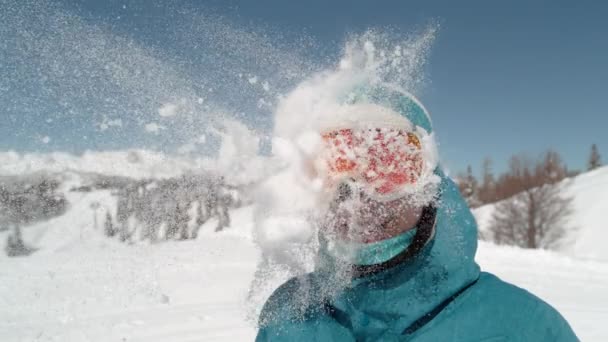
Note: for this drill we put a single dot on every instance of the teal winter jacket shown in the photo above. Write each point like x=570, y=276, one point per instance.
x=439, y=295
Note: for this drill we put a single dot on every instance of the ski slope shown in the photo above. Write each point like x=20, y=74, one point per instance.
x=589, y=229
x=82, y=286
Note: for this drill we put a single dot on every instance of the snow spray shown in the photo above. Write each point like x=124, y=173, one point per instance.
x=292, y=205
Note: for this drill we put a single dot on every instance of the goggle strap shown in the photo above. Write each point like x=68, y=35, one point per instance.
x=425, y=231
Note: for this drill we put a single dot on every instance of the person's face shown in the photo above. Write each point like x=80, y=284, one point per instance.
x=385, y=163
x=355, y=216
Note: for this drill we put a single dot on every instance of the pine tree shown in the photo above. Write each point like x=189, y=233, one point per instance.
x=108, y=226
x=551, y=169
x=487, y=191
x=468, y=188
x=594, y=158
x=15, y=245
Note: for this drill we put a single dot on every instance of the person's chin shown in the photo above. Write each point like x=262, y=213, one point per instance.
x=367, y=231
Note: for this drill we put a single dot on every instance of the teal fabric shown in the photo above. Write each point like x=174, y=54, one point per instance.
x=416, y=300
x=381, y=307
x=370, y=253
x=400, y=102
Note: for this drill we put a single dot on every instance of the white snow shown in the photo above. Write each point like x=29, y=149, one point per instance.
x=168, y=110
x=105, y=124
x=319, y=104
x=128, y=163
x=186, y=148
x=154, y=127
x=588, y=236
x=81, y=286
x=238, y=159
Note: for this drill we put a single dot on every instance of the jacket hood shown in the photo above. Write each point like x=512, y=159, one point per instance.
x=392, y=300
x=384, y=304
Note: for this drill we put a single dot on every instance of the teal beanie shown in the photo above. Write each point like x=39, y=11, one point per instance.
x=399, y=101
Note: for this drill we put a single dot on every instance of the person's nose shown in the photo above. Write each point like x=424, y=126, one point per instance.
x=344, y=191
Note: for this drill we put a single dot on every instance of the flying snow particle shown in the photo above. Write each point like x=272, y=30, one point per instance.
x=115, y=123
x=262, y=102
x=167, y=110
x=45, y=140
x=109, y=123
x=253, y=79
x=187, y=148
x=154, y=128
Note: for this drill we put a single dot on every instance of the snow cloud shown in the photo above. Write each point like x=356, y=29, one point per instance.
x=105, y=124
x=168, y=110
x=186, y=148
x=154, y=127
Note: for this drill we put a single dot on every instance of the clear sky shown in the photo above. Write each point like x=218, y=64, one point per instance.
x=502, y=77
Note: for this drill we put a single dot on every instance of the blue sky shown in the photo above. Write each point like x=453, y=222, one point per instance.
x=502, y=77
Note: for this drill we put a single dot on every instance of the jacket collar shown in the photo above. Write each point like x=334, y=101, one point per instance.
x=391, y=300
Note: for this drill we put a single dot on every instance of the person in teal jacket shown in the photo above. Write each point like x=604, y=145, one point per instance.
x=419, y=282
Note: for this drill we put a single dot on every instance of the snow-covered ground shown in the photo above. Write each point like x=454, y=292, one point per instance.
x=82, y=286
x=588, y=234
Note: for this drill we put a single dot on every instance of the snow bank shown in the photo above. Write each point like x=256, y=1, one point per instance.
x=588, y=237
x=81, y=286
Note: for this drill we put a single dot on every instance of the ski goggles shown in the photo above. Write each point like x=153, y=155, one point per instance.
x=384, y=162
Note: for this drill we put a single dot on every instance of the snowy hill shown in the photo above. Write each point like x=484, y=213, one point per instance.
x=85, y=287
x=130, y=163
x=82, y=286
x=590, y=204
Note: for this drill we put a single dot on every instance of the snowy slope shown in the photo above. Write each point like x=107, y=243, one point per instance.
x=590, y=192
x=590, y=205
x=188, y=291
x=81, y=286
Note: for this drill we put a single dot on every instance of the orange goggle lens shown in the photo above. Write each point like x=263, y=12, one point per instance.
x=385, y=160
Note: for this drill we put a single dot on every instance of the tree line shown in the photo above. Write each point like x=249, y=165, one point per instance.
x=25, y=200
x=146, y=209
x=531, y=208
x=170, y=209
